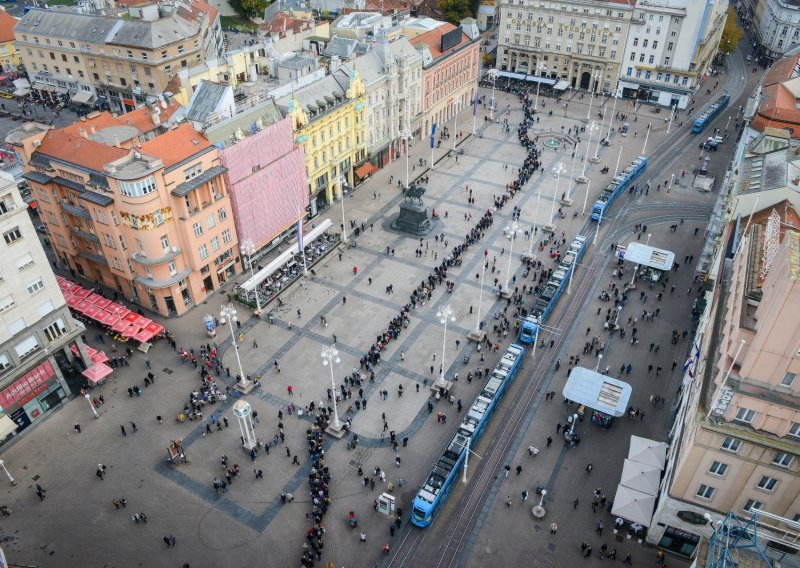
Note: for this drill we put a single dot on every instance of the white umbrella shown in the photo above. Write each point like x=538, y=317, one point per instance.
x=640, y=476
x=633, y=505
x=648, y=452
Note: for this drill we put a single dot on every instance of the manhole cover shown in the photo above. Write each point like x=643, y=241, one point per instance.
x=552, y=143
x=167, y=370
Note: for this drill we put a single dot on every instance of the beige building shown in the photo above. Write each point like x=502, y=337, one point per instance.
x=36, y=362
x=572, y=39
x=116, y=59
x=138, y=205
x=736, y=439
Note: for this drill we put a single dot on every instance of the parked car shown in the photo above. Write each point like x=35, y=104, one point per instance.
x=40, y=229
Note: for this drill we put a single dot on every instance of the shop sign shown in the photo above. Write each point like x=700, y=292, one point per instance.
x=28, y=386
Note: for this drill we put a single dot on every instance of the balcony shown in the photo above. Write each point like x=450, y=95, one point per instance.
x=76, y=210
x=140, y=258
x=96, y=258
x=174, y=279
x=86, y=236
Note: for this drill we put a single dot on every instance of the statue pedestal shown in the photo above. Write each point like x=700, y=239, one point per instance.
x=413, y=218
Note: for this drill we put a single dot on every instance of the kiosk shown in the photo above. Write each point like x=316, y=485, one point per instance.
x=605, y=397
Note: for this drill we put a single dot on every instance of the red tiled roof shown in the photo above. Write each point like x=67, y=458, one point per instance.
x=778, y=108
x=7, y=23
x=282, y=22
x=142, y=118
x=433, y=40
x=75, y=149
x=175, y=145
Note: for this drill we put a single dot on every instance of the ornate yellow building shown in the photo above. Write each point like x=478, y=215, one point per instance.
x=328, y=121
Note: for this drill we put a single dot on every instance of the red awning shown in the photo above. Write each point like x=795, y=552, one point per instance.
x=365, y=169
x=83, y=306
x=93, y=311
x=97, y=372
x=82, y=292
x=102, y=302
x=154, y=328
x=120, y=326
x=99, y=357
x=142, y=322
x=143, y=336
x=130, y=331
x=130, y=317
x=73, y=301
x=93, y=298
x=108, y=319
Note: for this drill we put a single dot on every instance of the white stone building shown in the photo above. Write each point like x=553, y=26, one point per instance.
x=776, y=25
x=669, y=48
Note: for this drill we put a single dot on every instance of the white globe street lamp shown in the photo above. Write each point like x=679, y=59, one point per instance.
x=445, y=315
x=590, y=128
x=511, y=229
x=558, y=169
x=330, y=355
x=91, y=405
x=227, y=313
x=11, y=479
x=592, y=87
x=541, y=67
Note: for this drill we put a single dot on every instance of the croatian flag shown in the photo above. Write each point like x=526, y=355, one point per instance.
x=300, y=235
x=433, y=134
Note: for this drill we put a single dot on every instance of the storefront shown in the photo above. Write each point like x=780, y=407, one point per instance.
x=682, y=543
x=33, y=396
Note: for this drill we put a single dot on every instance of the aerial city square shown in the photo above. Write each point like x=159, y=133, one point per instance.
x=356, y=283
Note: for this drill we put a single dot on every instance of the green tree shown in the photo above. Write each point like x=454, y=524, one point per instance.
x=250, y=7
x=454, y=11
x=731, y=34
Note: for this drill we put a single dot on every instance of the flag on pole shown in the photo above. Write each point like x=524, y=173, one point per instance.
x=433, y=134
x=475, y=104
x=300, y=235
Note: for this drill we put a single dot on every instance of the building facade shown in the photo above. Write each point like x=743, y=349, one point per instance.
x=9, y=54
x=116, y=60
x=450, y=63
x=37, y=330
x=578, y=41
x=149, y=218
x=392, y=75
x=329, y=123
x=736, y=435
x=669, y=48
x=775, y=25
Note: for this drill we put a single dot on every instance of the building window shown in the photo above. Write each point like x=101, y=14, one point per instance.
x=198, y=229
x=203, y=250
x=194, y=171
x=5, y=363
x=718, y=468
x=122, y=244
x=795, y=430
x=705, y=492
x=222, y=214
x=753, y=505
x=12, y=236
x=173, y=270
x=767, y=483
x=165, y=242
x=782, y=459
x=138, y=188
x=788, y=379
x=745, y=415
x=226, y=236
x=210, y=221
x=26, y=346
x=55, y=330
x=159, y=219
x=34, y=287
x=731, y=445
x=6, y=303
x=215, y=244
x=24, y=261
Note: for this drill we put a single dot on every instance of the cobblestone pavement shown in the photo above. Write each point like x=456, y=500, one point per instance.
x=249, y=520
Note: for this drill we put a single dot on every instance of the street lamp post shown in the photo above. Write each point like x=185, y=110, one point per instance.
x=586, y=197
x=592, y=86
x=619, y=157
x=340, y=181
x=493, y=74
x=599, y=359
x=406, y=134
x=542, y=66
x=646, y=138
x=590, y=128
x=671, y=179
x=455, y=126
x=599, y=139
x=613, y=114
x=574, y=422
x=330, y=355
x=558, y=169
x=672, y=117
x=480, y=293
x=533, y=228
x=228, y=313
x=91, y=405
x=11, y=479
x=445, y=315
x=511, y=228
x=248, y=248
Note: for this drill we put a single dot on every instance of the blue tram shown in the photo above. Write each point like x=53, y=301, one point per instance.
x=617, y=185
x=710, y=113
x=444, y=474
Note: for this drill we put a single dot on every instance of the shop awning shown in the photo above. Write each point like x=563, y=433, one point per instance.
x=93, y=298
x=561, y=86
x=538, y=79
x=108, y=319
x=597, y=391
x=365, y=169
x=82, y=97
x=633, y=505
x=83, y=306
x=648, y=256
x=73, y=301
x=82, y=292
x=142, y=321
x=641, y=477
x=99, y=357
x=143, y=335
x=102, y=302
x=648, y=452
x=154, y=328
x=120, y=326
x=130, y=331
x=22, y=92
x=113, y=308
x=93, y=312
x=509, y=75
x=6, y=426
x=97, y=372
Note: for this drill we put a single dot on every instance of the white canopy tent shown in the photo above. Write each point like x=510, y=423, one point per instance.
x=648, y=452
x=597, y=391
x=633, y=505
x=252, y=283
x=641, y=477
x=648, y=256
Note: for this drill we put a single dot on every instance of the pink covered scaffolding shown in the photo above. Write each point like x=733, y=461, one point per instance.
x=267, y=181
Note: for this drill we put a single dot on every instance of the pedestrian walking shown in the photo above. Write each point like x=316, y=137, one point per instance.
x=519, y=469
x=40, y=491
x=77, y=428
x=589, y=468
x=524, y=496
x=553, y=528
x=133, y=426
x=549, y=441
x=122, y=427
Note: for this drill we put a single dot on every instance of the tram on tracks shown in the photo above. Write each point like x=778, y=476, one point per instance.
x=616, y=187
x=444, y=475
